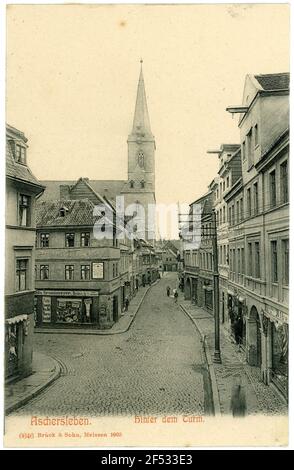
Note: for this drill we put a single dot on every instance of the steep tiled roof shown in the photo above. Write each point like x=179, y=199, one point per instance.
x=107, y=188
x=18, y=170
x=274, y=81
x=78, y=213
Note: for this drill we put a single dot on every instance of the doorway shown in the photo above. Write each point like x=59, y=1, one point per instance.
x=115, y=308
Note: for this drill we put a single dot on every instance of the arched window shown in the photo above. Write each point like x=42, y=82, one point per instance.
x=132, y=184
x=142, y=184
x=141, y=159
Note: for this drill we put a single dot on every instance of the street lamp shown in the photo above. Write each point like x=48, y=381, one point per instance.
x=217, y=354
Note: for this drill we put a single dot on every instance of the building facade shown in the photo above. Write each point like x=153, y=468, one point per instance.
x=21, y=190
x=258, y=206
x=198, y=262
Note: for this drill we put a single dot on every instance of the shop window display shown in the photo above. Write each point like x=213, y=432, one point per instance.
x=280, y=354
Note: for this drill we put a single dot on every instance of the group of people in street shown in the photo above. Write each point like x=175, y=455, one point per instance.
x=175, y=293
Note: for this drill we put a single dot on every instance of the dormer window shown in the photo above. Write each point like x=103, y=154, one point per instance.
x=132, y=184
x=142, y=184
x=63, y=211
x=20, y=153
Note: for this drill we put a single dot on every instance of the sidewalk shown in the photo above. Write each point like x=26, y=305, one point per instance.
x=261, y=399
x=45, y=371
x=121, y=326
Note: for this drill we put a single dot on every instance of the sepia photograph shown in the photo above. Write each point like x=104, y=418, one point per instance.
x=146, y=225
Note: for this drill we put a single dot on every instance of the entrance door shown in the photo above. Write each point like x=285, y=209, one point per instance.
x=115, y=308
x=258, y=342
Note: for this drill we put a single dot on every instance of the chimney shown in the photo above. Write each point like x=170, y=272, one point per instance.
x=64, y=191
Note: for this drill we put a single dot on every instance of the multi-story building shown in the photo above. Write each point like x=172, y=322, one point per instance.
x=259, y=225
x=198, y=262
x=21, y=190
x=79, y=279
x=229, y=172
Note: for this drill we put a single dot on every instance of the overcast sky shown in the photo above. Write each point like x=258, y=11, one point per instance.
x=72, y=74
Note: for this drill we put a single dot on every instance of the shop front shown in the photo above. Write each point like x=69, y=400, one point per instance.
x=208, y=296
x=16, y=331
x=278, y=332
x=63, y=308
x=237, y=317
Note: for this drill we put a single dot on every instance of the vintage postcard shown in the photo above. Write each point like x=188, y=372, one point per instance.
x=147, y=225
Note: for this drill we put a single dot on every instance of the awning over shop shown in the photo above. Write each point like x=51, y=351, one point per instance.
x=16, y=319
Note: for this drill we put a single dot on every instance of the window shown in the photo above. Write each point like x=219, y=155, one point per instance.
x=132, y=184
x=237, y=212
x=69, y=240
x=241, y=209
x=142, y=184
x=257, y=260
x=239, y=261
x=284, y=182
x=255, y=197
x=44, y=272
x=274, y=264
x=224, y=214
x=234, y=260
x=242, y=261
x=233, y=215
x=141, y=159
x=113, y=270
x=20, y=153
x=228, y=182
x=249, y=149
x=85, y=239
x=69, y=272
x=256, y=136
x=248, y=202
x=24, y=210
x=244, y=150
x=21, y=274
x=230, y=216
x=44, y=240
x=220, y=216
x=85, y=272
x=272, y=184
x=249, y=259
x=285, y=247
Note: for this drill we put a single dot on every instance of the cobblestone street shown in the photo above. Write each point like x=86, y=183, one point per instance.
x=156, y=367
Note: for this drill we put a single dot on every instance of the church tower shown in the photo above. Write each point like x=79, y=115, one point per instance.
x=140, y=186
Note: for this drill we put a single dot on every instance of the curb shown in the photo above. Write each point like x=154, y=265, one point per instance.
x=96, y=332
x=23, y=401
x=211, y=371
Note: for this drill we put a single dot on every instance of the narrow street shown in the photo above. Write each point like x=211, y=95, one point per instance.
x=155, y=367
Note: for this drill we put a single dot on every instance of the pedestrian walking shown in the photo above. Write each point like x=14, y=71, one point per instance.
x=238, y=404
x=127, y=304
x=176, y=295
x=238, y=330
x=168, y=291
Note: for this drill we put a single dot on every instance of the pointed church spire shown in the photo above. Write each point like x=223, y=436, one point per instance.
x=141, y=123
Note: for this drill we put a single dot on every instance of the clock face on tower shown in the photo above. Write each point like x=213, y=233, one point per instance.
x=141, y=159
